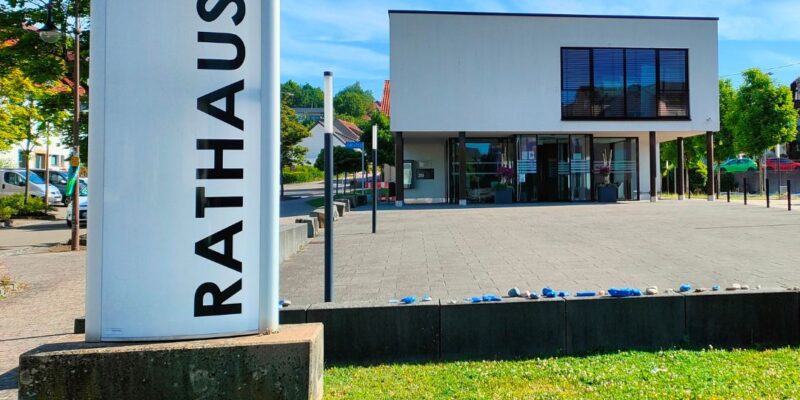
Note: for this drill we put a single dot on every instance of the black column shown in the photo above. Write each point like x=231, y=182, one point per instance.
x=462, y=168
x=398, y=168
x=681, y=165
x=710, y=164
x=653, y=168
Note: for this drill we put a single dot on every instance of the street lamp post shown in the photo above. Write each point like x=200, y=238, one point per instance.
x=50, y=34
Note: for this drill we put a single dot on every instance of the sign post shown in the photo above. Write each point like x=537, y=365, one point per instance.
x=328, y=125
x=374, y=177
x=195, y=255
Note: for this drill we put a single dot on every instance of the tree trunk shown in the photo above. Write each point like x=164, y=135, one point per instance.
x=27, y=175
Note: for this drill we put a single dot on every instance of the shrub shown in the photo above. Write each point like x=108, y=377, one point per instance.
x=301, y=173
x=15, y=206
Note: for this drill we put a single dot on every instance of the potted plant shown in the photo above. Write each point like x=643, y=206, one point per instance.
x=607, y=191
x=503, y=192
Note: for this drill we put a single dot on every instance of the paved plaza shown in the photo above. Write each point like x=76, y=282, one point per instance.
x=450, y=252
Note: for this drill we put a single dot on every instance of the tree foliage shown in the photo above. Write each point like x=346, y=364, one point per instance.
x=292, y=133
x=305, y=96
x=344, y=160
x=385, y=137
x=724, y=147
x=762, y=114
x=353, y=101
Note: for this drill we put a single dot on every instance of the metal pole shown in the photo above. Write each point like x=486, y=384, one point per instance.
x=789, y=193
x=76, y=123
x=744, y=183
x=374, y=178
x=767, y=185
x=328, y=186
x=729, y=195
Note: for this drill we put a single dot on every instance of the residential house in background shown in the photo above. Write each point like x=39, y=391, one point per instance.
x=343, y=132
x=385, y=103
x=15, y=157
x=550, y=107
x=309, y=114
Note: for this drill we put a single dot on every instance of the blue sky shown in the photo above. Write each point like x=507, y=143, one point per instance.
x=351, y=37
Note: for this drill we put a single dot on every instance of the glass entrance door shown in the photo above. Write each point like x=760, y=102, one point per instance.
x=554, y=168
x=553, y=162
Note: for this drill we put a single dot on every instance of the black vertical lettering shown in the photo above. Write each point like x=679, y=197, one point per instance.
x=228, y=116
x=217, y=306
x=203, y=247
x=219, y=146
x=216, y=11
x=202, y=202
x=216, y=37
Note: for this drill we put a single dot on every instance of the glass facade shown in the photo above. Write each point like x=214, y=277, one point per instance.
x=484, y=158
x=618, y=83
x=616, y=161
x=557, y=167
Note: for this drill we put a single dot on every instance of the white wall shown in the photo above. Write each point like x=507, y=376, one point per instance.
x=429, y=153
x=453, y=72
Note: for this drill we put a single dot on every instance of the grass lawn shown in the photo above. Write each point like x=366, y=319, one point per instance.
x=675, y=374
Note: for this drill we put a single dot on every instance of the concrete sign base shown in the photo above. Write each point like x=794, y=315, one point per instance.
x=286, y=365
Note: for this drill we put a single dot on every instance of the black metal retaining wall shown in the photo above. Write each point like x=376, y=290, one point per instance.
x=519, y=328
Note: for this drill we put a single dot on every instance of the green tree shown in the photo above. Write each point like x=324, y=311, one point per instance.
x=292, y=134
x=353, y=101
x=50, y=64
x=19, y=98
x=305, y=96
x=724, y=144
x=762, y=114
x=385, y=137
x=344, y=160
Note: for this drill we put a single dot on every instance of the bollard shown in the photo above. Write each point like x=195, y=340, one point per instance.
x=729, y=195
x=789, y=193
x=745, y=190
x=767, y=183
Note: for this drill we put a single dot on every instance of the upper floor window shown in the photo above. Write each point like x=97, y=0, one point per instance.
x=615, y=83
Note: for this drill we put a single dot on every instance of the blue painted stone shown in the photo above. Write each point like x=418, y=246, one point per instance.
x=408, y=300
x=563, y=294
x=514, y=292
x=585, y=294
x=685, y=288
x=548, y=292
x=624, y=292
x=715, y=288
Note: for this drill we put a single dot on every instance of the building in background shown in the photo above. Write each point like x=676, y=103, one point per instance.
x=546, y=106
x=309, y=114
x=343, y=132
x=15, y=157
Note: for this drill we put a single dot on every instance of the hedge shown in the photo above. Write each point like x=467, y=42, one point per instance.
x=301, y=173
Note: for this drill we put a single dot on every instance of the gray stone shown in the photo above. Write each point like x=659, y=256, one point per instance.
x=292, y=239
x=342, y=207
x=743, y=319
x=636, y=323
x=375, y=332
x=319, y=214
x=287, y=365
x=513, y=328
x=312, y=223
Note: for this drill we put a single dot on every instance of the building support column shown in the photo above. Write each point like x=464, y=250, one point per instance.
x=398, y=169
x=462, y=168
x=653, y=168
x=680, y=186
x=710, y=165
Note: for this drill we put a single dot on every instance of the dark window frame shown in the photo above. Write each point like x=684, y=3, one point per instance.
x=687, y=117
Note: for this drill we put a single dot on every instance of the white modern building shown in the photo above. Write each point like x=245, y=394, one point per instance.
x=548, y=107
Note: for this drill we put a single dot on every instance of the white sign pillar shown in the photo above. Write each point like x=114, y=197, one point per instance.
x=184, y=128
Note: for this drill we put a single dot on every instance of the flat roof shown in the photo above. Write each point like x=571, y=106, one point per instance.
x=550, y=15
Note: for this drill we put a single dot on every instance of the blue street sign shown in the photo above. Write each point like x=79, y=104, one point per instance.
x=354, y=145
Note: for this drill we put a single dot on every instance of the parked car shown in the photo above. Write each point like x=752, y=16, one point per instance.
x=739, y=165
x=12, y=181
x=59, y=179
x=782, y=164
x=83, y=212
